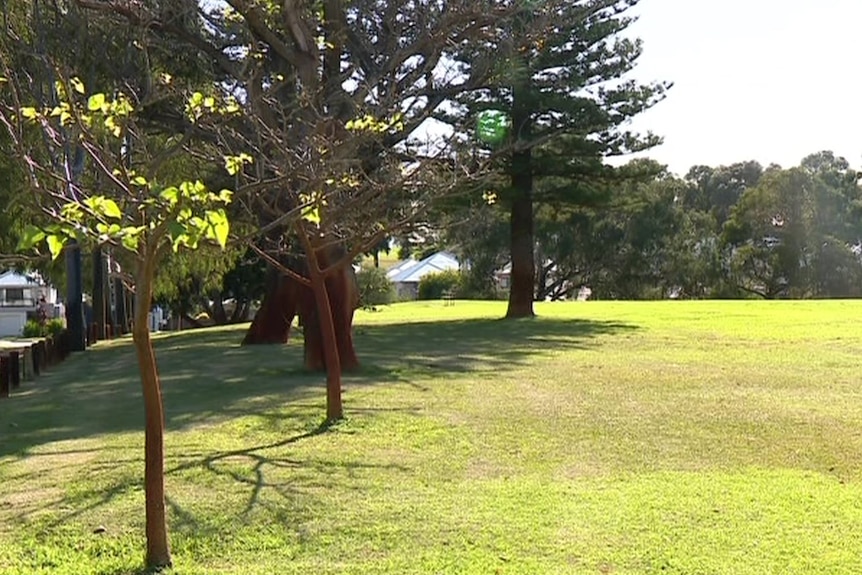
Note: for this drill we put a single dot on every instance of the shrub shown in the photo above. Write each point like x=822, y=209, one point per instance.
x=374, y=287
x=433, y=286
x=33, y=329
x=52, y=327
x=55, y=327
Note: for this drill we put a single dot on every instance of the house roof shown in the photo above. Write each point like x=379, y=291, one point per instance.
x=435, y=263
x=12, y=278
x=400, y=267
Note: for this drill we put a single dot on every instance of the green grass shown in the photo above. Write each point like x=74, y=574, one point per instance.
x=626, y=438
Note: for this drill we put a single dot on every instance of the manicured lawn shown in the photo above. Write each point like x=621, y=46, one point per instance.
x=626, y=438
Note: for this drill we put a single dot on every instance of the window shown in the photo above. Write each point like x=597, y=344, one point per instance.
x=14, y=295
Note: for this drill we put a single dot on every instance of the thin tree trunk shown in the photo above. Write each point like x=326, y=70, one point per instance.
x=342, y=292
x=99, y=303
x=219, y=316
x=334, y=408
x=240, y=311
x=158, y=548
x=122, y=313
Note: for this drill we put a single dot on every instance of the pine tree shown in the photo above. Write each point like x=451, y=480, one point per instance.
x=562, y=78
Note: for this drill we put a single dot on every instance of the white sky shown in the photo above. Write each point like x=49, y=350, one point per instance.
x=766, y=80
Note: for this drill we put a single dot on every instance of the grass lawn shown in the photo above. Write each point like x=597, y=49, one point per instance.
x=625, y=438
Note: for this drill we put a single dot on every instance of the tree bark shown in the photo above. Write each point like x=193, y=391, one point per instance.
x=342, y=292
x=521, y=216
x=99, y=303
x=334, y=407
x=158, y=548
x=219, y=316
x=272, y=321
x=285, y=298
x=122, y=312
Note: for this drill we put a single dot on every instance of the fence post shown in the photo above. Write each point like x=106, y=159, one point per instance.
x=14, y=368
x=4, y=376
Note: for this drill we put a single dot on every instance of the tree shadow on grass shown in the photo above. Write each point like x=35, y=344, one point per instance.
x=416, y=350
x=270, y=477
x=207, y=376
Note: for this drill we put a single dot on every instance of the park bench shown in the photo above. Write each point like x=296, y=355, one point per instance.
x=448, y=298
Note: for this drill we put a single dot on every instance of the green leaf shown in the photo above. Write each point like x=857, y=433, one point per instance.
x=31, y=237
x=139, y=181
x=234, y=164
x=29, y=113
x=110, y=209
x=178, y=234
x=312, y=215
x=130, y=242
x=219, y=226
x=225, y=196
x=96, y=102
x=170, y=195
x=55, y=245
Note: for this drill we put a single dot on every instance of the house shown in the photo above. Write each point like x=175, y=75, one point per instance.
x=407, y=274
x=19, y=300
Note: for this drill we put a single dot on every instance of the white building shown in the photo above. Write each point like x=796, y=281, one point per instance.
x=407, y=274
x=19, y=300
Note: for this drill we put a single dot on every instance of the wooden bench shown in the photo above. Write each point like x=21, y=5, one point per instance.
x=448, y=298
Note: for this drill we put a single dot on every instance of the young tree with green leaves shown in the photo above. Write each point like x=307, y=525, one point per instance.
x=333, y=97
x=123, y=201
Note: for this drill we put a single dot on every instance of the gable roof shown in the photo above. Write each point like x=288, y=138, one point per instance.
x=400, y=267
x=11, y=278
x=435, y=263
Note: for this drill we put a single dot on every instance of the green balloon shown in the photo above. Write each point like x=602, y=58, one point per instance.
x=492, y=126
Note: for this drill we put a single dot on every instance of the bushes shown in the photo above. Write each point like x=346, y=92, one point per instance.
x=53, y=328
x=33, y=329
x=433, y=286
x=374, y=287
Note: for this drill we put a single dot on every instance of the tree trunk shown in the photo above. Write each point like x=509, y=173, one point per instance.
x=219, y=316
x=326, y=327
x=99, y=303
x=342, y=292
x=521, y=218
x=287, y=297
x=158, y=548
x=74, y=298
x=122, y=315
x=272, y=321
x=521, y=223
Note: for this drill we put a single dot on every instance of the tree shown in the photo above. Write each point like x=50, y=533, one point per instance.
x=333, y=95
x=562, y=81
x=119, y=200
x=796, y=233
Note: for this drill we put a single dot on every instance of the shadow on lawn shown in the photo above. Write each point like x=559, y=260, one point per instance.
x=430, y=349
x=291, y=485
x=208, y=376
